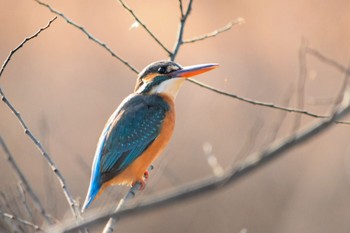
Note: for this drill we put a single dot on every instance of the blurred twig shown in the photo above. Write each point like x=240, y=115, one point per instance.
x=69, y=197
x=88, y=34
x=252, y=163
x=144, y=26
x=327, y=60
x=216, y=32
x=23, y=42
x=301, y=82
x=25, y=183
x=21, y=221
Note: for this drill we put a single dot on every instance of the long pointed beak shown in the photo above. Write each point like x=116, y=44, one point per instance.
x=189, y=71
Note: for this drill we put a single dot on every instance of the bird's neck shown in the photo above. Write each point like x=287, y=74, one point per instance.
x=169, y=87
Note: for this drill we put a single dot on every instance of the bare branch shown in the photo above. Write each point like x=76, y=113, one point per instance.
x=183, y=19
x=37, y=143
x=227, y=27
x=21, y=221
x=144, y=26
x=327, y=60
x=25, y=183
x=264, y=104
x=252, y=163
x=23, y=42
x=89, y=35
x=301, y=82
x=181, y=8
x=39, y=146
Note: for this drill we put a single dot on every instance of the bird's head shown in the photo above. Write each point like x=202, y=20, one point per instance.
x=167, y=77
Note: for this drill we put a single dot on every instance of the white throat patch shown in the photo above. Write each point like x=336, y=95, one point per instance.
x=170, y=87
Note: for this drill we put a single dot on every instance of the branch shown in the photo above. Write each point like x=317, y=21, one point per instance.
x=112, y=222
x=88, y=34
x=24, y=42
x=144, y=26
x=21, y=221
x=252, y=163
x=238, y=21
x=25, y=183
x=263, y=104
x=301, y=82
x=183, y=19
x=327, y=60
x=39, y=146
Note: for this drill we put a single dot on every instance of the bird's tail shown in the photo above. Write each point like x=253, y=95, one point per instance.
x=94, y=188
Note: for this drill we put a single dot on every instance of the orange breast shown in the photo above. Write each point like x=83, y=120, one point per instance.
x=135, y=171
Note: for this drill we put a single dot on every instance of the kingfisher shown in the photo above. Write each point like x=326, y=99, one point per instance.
x=140, y=128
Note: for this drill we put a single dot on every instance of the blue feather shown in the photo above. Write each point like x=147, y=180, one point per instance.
x=129, y=131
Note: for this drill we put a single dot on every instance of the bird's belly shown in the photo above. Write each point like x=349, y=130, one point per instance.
x=135, y=171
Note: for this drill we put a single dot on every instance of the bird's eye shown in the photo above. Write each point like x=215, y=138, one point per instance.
x=162, y=70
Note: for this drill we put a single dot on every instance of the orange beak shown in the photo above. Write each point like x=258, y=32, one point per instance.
x=189, y=71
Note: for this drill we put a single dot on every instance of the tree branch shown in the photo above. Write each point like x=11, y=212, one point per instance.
x=89, y=35
x=227, y=27
x=25, y=183
x=23, y=43
x=21, y=221
x=144, y=26
x=37, y=143
x=263, y=104
x=183, y=19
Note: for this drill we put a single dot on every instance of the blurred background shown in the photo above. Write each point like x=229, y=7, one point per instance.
x=65, y=87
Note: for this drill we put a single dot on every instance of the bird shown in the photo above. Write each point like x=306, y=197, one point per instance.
x=140, y=128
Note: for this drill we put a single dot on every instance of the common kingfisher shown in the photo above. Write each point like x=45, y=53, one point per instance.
x=140, y=128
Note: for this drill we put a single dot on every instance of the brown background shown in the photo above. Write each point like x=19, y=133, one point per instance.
x=65, y=87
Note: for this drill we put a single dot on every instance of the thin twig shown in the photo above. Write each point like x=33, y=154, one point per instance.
x=21, y=221
x=181, y=8
x=144, y=26
x=23, y=42
x=25, y=183
x=327, y=60
x=264, y=104
x=252, y=163
x=216, y=32
x=301, y=82
x=88, y=34
x=183, y=19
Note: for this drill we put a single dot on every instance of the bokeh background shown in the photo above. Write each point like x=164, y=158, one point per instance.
x=65, y=87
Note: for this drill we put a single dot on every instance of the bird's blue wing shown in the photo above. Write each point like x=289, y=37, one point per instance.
x=128, y=132
x=135, y=127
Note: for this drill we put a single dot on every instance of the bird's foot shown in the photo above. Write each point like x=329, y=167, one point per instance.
x=146, y=175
